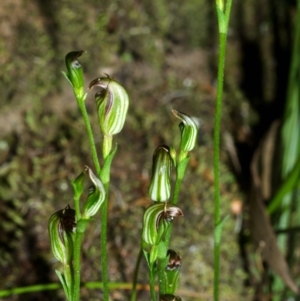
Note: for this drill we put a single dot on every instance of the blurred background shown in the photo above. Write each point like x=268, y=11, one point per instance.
x=165, y=54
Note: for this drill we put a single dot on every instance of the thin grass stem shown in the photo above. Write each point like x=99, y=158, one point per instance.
x=90, y=135
x=77, y=266
x=152, y=275
x=103, y=243
x=135, y=275
x=223, y=19
x=218, y=113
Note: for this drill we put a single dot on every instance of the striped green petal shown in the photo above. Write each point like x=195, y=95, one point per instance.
x=160, y=183
x=189, y=131
x=61, y=228
x=112, y=105
x=156, y=220
x=95, y=197
x=75, y=73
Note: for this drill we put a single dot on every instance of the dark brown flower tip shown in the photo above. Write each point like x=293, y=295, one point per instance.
x=174, y=260
x=74, y=55
x=101, y=82
x=67, y=221
x=172, y=212
x=169, y=297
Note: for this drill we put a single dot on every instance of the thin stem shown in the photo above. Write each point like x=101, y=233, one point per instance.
x=218, y=113
x=77, y=251
x=107, y=145
x=89, y=131
x=135, y=275
x=223, y=20
x=105, y=178
x=177, y=189
x=161, y=267
x=152, y=283
x=69, y=279
x=103, y=242
x=221, y=65
x=180, y=172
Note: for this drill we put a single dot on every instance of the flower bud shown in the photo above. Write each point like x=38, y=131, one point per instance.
x=61, y=228
x=169, y=297
x=171, y=273
x=112, y=105
x=189, y=130
x=75, y=74
x=154, y=225
x=160, y=183
x=95, y=197
x=156, y=220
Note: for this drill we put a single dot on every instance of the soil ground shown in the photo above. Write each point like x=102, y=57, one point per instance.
x=165, y=56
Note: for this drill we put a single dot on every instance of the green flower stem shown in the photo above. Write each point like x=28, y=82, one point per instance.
x=222, y=40
x=89, y=131
x=135, y=275
x=152, y=275
x=105, y=178
x=77, y=257
x=68, y=275
x=107, y=145
x=223, y=18
x=103, y=242
x=161, y=266
x=180, y=172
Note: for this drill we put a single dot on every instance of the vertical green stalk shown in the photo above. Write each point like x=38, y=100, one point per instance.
x=135, y=275
x=105, y=178
x=77, y=251
x=79, y=235
x=221, y=65
x=103, y=242
x=69, y=278
x=89, y=131
x=180, y=171
x=223, y=18
x=152, y=283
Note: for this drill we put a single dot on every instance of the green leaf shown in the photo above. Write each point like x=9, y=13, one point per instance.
x=181, y=168
x=64, y=285
x=78, y=184
x=105, y=172
x=219, y=228
x=65, y=74
x=95, y=198
x=162, y=250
